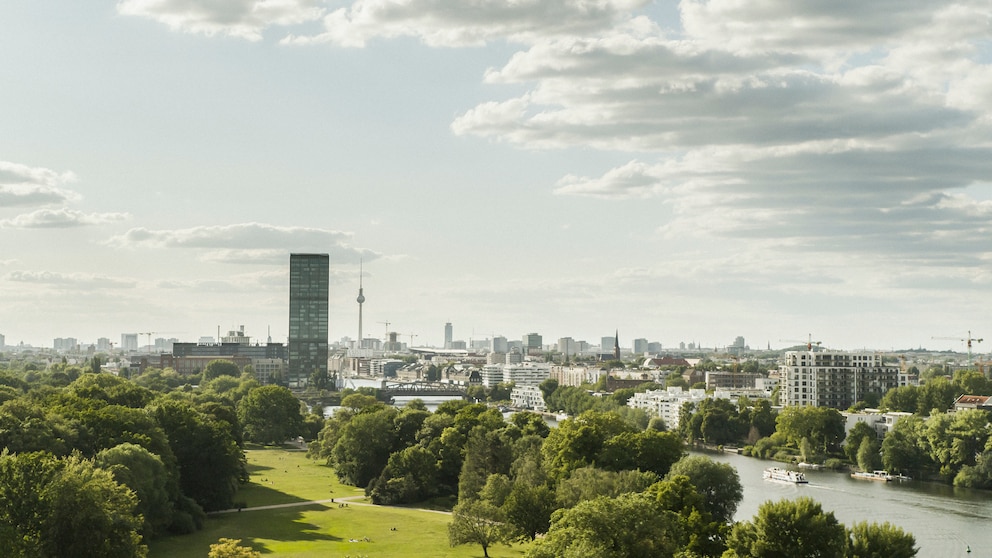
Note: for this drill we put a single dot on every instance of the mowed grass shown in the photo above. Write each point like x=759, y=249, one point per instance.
x=286, y=476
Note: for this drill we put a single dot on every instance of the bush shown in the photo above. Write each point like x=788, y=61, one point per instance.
x=833, y=463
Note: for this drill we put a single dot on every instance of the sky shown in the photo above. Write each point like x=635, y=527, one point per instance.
x=677, y=171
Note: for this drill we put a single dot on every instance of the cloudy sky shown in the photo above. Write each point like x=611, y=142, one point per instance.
x=680, y=171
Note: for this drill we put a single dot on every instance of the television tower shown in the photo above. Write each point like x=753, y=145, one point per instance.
x=361, y=300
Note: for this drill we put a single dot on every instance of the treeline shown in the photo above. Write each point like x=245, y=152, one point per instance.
x=94, y=465
x=599, y=484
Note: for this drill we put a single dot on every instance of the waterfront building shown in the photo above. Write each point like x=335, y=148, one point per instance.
x=308, y=303
x=834, y=379
x=384, y=367
x=666, y=403
x=528, y=397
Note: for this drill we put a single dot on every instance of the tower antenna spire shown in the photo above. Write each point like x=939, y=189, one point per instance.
x=361, y=299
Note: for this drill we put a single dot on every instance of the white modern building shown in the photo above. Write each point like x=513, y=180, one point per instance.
x=523, y=374
x=833, y=379
x=666, y=403
x=528, y=397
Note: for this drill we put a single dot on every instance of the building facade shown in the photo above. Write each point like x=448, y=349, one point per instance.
x=834, y=379
x=308, y=301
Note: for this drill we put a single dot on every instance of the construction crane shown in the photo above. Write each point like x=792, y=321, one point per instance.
x=150, y=333
x=808, y=342
x=387, y=322
x=968, y=340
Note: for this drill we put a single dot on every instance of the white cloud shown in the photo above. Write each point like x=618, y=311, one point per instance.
x=60, y=219
x=246, y=19
x=70, y=280
x=248, y=243
x=462, y=23
x=21, y=185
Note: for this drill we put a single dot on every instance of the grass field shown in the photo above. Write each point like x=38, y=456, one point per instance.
x=285, y=476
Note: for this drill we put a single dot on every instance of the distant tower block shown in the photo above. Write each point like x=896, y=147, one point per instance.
x=447, y=335
x=308, y=286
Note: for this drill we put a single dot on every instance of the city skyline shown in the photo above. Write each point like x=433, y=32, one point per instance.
x=683, y=171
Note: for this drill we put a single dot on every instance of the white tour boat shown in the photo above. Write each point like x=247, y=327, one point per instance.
x=882, y=476
x=784, y=475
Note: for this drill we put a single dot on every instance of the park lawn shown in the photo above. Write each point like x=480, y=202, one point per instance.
x=319, y=529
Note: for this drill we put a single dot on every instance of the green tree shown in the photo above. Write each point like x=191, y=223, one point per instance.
x=220, y=367
x=362, y=450
x=478, y=522
x=788, y=529
x=529, y=509
x=588, y=483
x=144, y=473
x=905, y=399
x=410, y=476
x=628, y=526
x=270, y=415
x=211, y=463
x=823, y=426
x=579, y=441
x=902, y=449
x=937, y=394
x=718, y=484
x=868, y=457
x=858, y=433
x=871, y=540
x=65, y=507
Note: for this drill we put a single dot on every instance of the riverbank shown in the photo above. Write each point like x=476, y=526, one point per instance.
x=945, y=520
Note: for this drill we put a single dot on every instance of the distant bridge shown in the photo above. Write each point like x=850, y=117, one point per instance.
x=422, y=389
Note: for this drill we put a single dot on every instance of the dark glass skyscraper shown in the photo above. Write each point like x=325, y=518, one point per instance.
x=308, y=280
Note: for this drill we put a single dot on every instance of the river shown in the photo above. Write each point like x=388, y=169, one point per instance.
x=946, y=521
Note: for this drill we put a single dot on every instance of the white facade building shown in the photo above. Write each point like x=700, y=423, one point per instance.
x=528, y=397
x=666, y=403
x=833, y=379
x=523, y=374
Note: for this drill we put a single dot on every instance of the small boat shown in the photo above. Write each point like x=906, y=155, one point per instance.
x=882, y=476
x=805, y=465
x=784, y=475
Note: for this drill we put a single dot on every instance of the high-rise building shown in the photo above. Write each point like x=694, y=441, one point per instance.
x=640, y=346
x=532, y=343
x=447, y=335
x=606, y=344
x=129, y=342
x=566, y=346
x=3, y=342
x=308, y=286
x=499, y=344
x=833, y=378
